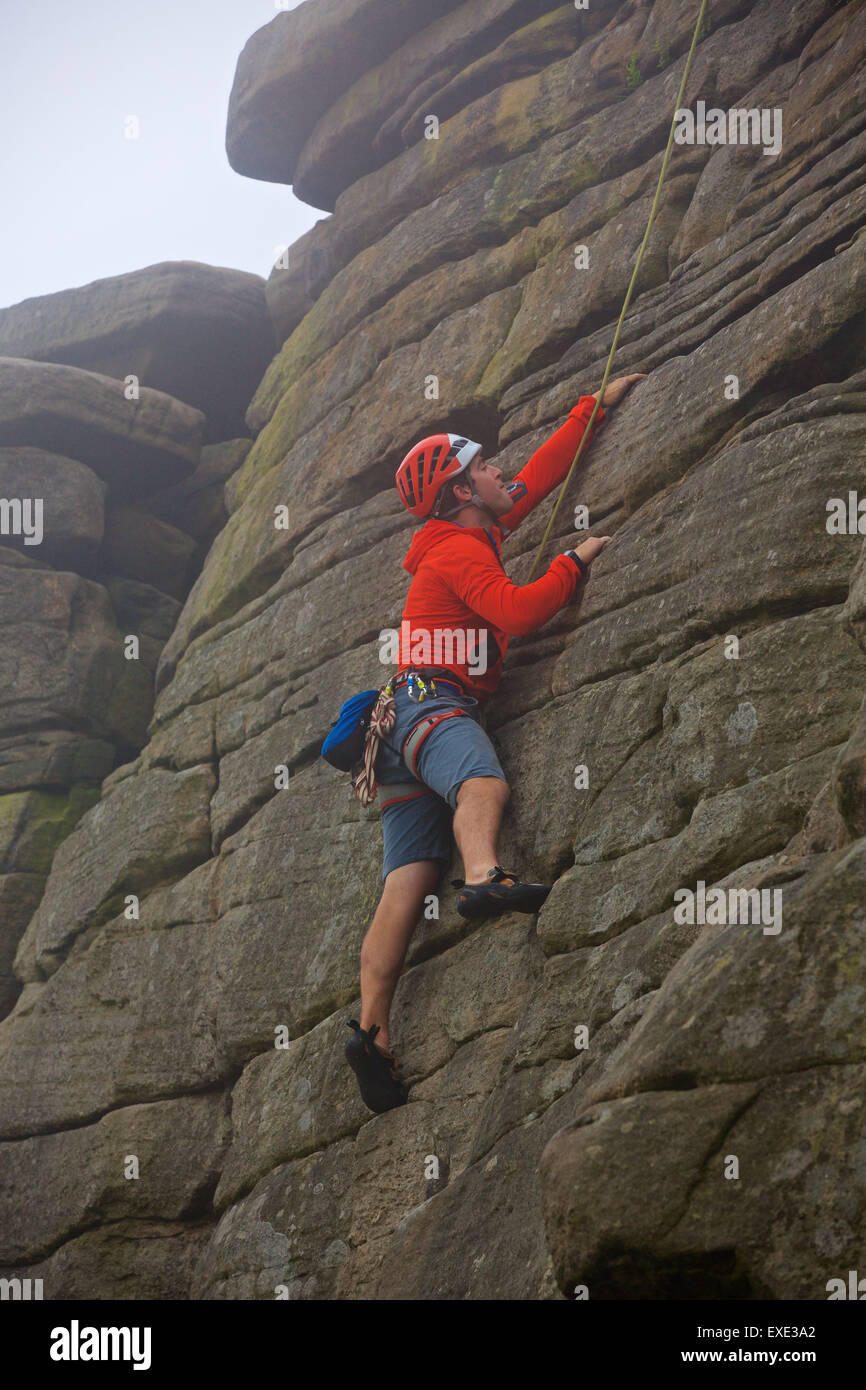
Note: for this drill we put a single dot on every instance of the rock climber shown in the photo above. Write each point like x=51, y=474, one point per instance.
x=438, y=769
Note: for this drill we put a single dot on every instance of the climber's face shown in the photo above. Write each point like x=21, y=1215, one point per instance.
x=490, y=486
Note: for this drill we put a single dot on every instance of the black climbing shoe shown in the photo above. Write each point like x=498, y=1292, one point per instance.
x=500, y=892
x=375, y=1070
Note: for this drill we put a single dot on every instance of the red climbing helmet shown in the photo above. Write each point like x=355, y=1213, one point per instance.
x=428, y=467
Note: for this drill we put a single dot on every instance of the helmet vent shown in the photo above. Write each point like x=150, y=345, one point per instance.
x=434, y=459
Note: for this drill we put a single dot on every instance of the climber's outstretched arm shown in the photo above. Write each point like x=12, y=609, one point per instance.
x=551, y=461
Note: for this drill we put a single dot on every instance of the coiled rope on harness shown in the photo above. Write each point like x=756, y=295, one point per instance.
x=630, y=289
x=382, y=717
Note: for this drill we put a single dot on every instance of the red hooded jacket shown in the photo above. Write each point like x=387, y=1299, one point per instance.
x=462, y=608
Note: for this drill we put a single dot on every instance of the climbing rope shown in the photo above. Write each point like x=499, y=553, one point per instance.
x=628, y=295
x=382, y=717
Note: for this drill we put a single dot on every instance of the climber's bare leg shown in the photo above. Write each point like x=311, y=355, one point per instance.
x=480, y=804
x=387, y=941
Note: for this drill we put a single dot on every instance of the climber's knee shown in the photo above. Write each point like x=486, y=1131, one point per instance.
x=484, y=789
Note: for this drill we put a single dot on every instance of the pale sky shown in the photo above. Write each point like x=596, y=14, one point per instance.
x=80, y=201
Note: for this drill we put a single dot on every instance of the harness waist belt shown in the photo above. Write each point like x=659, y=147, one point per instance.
x=443, y=677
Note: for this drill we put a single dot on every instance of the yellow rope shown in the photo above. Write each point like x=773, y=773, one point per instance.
x=627, y=299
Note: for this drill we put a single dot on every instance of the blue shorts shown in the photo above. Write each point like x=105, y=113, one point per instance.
x=418, y=824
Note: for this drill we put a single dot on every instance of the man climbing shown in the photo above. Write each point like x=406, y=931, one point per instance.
x=437, y=767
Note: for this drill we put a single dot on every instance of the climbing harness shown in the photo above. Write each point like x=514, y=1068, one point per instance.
x=403, y=791
x=411, y=677
x=630, y=289
x=366, y=718
x=412, y=744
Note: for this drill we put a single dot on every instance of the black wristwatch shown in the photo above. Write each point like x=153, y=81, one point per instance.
x=582, y=566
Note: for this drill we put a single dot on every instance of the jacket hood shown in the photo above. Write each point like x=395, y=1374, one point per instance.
x=431, y=534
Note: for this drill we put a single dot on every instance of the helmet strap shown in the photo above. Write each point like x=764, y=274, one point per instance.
x=475, y=501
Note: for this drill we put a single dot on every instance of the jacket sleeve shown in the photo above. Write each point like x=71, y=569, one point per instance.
x=550, y=463
x=480, y=582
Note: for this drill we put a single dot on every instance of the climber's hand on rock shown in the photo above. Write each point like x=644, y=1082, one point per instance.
x=615, y=390
x=591, y=547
